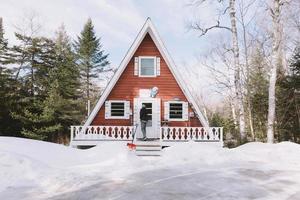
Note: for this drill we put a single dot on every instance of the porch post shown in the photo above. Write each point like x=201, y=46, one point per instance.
x=72, y=136
x=221, y=135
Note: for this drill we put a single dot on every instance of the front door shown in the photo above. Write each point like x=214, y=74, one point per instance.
x=153, y=111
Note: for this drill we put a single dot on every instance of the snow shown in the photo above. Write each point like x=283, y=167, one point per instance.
x=32, y=169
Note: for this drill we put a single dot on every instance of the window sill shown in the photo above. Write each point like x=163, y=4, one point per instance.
x=116, y=118
x=147, y=76
x=177, y=120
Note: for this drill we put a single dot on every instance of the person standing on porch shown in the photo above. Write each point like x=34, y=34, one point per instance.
x=144, y=119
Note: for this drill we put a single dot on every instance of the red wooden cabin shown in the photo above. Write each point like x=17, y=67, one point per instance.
x=147, y=75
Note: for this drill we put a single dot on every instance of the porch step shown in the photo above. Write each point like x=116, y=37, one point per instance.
x=148, y=153
x=148, y=148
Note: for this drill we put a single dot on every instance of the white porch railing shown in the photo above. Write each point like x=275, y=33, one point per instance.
x=213, y=134
x=167, y=134
x=101, y=133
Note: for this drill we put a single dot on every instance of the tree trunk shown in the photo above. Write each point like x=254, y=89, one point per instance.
x=32, y=75
x=88, y=89
x=247, y=80
x=237, y=71
x=233, y=114
x=273, y=70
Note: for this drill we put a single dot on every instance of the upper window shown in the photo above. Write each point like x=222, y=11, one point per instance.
x=147, y=66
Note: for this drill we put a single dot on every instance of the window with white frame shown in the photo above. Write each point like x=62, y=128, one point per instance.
x=117, y=109
x=147, y=66
x=176, y=111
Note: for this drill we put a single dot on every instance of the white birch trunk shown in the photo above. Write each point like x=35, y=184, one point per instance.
x=237, y=71
x=247, y=78
x=233, y=114
x=273, y=72
x=205, y=114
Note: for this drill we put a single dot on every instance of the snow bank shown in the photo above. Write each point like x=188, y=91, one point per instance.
x=49, y=168
x=56, y=155
x=284, y=155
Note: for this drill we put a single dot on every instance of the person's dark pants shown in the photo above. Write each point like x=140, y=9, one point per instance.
x=143, y=127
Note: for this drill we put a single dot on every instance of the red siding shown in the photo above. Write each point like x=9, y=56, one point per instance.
x=127, y=87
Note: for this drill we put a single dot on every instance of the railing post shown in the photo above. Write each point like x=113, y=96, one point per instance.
x=221, y=135
x=160, y=133
x=72, y=132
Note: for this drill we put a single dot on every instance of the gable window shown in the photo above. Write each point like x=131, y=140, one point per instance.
x=117, y=109
x=176, y=111
x=147, y=66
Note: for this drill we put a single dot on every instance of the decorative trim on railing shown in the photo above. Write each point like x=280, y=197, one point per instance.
x=192, y=133
x=101, y=132
x=125, y=133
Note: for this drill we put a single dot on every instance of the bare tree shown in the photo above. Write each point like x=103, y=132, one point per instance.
x=237, y=75
x=236, y=57
x=244, y=9
x=275, y=64
x=218, y=62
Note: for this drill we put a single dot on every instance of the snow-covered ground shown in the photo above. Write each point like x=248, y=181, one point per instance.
x=32, y=169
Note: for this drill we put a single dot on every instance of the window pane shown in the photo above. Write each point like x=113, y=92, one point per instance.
x=147, y=66
x=175, y=111
x=117, y=109
x=149, y=113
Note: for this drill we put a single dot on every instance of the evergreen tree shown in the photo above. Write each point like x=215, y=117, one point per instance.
x=9, y=91
x=36, y=58
x=92, y=59
x=62, y=105
x=288, y=106
x=218, y=119
x=3, y=47
x=51, y=79
x=258, y=82
x=66, y=69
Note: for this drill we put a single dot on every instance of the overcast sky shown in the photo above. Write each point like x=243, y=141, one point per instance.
x=117, y=23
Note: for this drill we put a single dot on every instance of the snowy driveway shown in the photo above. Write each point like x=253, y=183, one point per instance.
x=34, y=170
x=171, y=183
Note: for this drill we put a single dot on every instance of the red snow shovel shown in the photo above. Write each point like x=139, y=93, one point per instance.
x=132, y=146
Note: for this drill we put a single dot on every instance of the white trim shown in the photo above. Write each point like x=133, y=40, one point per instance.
x=177, y=119
x=157, y=66
x=148, y=27
x=117, y=117
x=154, y=62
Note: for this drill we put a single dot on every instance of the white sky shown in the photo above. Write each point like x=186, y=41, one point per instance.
x=118, y=22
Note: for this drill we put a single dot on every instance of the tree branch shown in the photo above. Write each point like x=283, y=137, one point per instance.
x=203, y=31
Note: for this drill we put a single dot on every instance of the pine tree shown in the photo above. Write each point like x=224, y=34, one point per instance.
x=258, y=84
x=9, y=91
x=36, y=58
x=288, y=102
x=92, y=59
x=65, y=79
x=3, y=47
x=66, y=68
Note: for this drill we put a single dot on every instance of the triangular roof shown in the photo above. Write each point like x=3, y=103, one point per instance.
x=148, y=27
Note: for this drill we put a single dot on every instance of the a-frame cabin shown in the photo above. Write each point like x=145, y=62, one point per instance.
x=147, y=75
